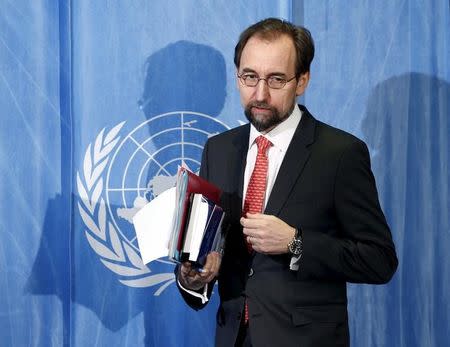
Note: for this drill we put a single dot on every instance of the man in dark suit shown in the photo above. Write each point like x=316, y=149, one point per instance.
x=283, y=273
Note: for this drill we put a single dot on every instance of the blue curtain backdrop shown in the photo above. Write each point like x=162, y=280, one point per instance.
x=102, y=100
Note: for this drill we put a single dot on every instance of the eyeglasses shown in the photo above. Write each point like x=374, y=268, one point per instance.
x=274, y=82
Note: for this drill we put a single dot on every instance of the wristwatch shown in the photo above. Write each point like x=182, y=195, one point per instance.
x=295, y=246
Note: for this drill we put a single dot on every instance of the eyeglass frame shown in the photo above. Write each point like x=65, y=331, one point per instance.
x=266, y=79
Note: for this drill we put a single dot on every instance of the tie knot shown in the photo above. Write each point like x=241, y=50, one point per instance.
x=263, y=144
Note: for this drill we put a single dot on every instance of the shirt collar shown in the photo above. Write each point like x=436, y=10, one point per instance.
x=282, y=134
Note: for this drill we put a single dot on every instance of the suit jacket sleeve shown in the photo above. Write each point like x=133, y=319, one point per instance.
x=363, y=251
x=195, y=302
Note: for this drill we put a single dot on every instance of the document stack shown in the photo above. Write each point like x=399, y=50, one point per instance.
x=196, y=229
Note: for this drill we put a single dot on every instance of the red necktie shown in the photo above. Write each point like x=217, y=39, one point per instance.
x=256, y=189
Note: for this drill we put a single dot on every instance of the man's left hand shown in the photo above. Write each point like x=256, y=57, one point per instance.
x=266, y=233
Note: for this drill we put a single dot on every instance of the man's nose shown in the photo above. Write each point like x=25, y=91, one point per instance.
x=262, y=90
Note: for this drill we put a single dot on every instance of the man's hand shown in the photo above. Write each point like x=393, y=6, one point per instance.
x=192, y=279
x=267, y=234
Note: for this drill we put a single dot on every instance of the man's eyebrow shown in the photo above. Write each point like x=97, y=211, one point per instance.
x=248, y=70
x=279, y=74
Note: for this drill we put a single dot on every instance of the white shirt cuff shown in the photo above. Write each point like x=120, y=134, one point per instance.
x=203, y=297
x=295, y=261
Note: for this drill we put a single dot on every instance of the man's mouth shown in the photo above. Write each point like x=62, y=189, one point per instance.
x=261, y=108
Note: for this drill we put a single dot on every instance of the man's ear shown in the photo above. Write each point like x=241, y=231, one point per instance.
x=302, y=83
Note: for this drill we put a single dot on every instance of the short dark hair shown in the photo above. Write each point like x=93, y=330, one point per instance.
x=272, y=28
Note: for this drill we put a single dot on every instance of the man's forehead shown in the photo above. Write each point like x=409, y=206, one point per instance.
x=270, y=36
x=277, y=53
x=270, y=39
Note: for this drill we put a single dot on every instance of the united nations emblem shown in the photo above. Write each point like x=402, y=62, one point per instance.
x=121, y=174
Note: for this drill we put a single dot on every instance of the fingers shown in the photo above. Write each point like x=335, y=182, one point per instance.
x=185, y=269
x=251, y=219
x=192, y=278
x=266, y=233
x=212, y=266
x=252, y=225
x=255, y=215
x=247, y=225
x=188, y=276
x=257, y=220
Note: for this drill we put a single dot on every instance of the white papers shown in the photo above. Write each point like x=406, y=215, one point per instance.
x=153, y=225
x=196, y=227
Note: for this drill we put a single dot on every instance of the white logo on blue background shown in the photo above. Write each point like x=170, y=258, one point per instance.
x=120, y=177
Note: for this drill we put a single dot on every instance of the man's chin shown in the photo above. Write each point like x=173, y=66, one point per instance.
x=262, y=123
x=263, y=119
x=260, y=117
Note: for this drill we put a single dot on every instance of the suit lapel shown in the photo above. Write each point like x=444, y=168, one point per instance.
x=293, y=163
x=240, y=143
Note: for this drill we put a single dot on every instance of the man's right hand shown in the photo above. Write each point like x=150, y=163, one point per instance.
x=192, y=279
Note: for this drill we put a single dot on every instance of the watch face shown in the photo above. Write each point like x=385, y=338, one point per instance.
x=296, y=247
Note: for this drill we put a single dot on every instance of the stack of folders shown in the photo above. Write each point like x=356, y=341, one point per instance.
x=196, y=229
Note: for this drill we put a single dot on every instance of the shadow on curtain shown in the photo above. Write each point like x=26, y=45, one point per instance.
x=408, y=129
x=182, y=76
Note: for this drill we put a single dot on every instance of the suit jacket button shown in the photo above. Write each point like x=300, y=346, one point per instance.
x=251, y=272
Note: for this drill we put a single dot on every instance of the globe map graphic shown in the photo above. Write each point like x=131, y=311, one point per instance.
x=147, y=160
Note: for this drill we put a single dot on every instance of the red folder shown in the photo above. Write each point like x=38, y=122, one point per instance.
x=195, y=184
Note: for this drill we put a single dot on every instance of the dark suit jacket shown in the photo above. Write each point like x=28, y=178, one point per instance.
x=325, y=187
